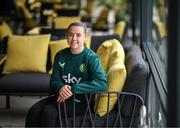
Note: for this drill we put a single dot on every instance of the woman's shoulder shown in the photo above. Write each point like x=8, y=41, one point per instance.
x=63, y=51
x=91, y=55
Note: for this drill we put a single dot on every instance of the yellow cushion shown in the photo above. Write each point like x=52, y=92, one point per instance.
x=108, y=52
x=116, y=74
x=26, y=53
x=88, y=41
x=63, y=21
x=116, y=78
x=4, y=30
x=120, y=28
x=58, y=45
x=103, y=52
x=117, y=55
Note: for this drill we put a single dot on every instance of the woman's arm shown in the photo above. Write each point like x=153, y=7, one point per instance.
x=99, y=79
x=56, y=82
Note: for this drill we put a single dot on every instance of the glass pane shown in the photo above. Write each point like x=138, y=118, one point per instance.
x=159, y=32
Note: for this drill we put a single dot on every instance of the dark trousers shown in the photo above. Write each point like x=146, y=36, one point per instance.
x=45, y=112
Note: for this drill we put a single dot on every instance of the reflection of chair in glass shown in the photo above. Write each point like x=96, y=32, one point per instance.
x=64, y=21
x=162, y=51
x=161, y=28
x=159, y=32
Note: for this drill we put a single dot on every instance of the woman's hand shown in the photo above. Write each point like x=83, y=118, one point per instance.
x=64, y=93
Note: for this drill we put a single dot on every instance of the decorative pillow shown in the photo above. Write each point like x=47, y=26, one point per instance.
x=88, y=41
x=117, y=55
x=116, y=78
x=120, y=28
x=26, y=53
x=56, y=46
x=103, y=52
x=98, y=40
x=109, y=51
x=116, y=75
x=4, y=30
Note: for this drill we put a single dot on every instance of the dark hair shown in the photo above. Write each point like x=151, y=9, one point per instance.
x=80, y=24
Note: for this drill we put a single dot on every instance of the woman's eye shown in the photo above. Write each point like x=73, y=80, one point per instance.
x=74, y=34
x=70, y=34
x=78, y=35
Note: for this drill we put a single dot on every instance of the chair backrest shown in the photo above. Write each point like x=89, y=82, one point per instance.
x=114, y=118
x=137, y=71
x=98, y=39
x=56, y=34
x=137, y=74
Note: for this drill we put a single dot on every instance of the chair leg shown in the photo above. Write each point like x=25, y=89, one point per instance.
x=7, y=102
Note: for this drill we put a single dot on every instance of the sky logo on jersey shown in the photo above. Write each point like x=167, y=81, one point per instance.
x=82, y=68
x=71, y=80
x=61, y=64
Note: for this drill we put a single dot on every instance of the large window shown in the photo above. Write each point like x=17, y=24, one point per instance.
x=159, y=36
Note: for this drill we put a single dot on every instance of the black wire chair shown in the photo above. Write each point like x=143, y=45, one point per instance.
x=126, y=112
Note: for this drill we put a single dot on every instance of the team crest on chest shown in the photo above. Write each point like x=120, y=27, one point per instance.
x=82, y=67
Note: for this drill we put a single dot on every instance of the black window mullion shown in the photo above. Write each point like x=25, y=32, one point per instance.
x=173, y=117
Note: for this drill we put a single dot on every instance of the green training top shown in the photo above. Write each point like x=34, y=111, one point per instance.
x=83, y=72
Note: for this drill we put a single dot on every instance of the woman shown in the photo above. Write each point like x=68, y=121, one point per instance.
x=76, y=70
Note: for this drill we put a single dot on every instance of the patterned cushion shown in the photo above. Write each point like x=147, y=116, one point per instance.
x=112, y=60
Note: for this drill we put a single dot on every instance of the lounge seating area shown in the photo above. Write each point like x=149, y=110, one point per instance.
x=125, y=94
x=26, y=80
x=26, y=67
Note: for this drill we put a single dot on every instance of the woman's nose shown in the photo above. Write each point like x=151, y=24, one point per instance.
x=74, y=37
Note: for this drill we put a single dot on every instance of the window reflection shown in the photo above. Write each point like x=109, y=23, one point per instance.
x=159, y=31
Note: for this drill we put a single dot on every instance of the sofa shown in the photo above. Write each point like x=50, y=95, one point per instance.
x=36, y=83
x=128, y=109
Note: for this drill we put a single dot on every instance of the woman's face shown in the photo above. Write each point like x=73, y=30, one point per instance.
x=76, y=38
